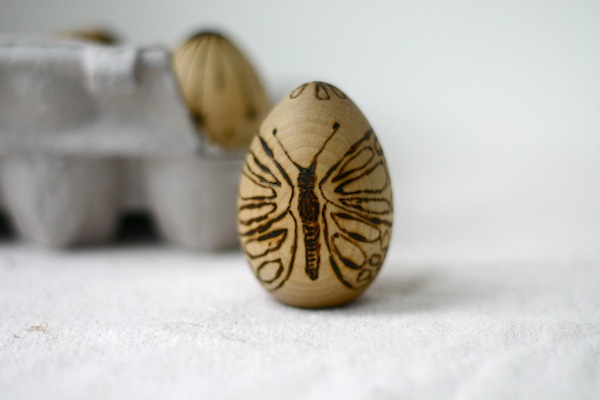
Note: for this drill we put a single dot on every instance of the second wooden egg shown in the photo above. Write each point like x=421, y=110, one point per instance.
x=221, y=88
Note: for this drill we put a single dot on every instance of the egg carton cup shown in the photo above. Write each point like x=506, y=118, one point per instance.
x=89, y=132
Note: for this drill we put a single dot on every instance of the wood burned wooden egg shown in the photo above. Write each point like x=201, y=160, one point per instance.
x=315, y=203
x=221, y=88
x=99, y=35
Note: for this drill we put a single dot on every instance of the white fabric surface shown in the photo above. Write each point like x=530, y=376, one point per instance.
x=158, y=322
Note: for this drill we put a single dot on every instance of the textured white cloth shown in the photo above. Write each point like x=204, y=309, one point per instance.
x=157, y=322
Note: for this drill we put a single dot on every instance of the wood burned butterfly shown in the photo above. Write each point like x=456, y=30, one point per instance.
x=315, y=207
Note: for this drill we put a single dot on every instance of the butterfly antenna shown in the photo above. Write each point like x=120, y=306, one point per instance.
x=285, y=151
x=336, y=127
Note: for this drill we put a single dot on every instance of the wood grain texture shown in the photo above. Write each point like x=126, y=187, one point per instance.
x=315, y=204
x=221, y=88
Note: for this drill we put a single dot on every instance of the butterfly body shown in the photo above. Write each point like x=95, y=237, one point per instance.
x=308, y=209
x=315, y=200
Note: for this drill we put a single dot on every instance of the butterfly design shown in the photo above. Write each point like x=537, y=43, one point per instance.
x=290, y=217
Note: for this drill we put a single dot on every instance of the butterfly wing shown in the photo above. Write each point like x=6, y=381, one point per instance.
x=267, y=226
x=357, y=213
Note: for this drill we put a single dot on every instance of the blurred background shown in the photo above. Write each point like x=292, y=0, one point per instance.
x=488, y=111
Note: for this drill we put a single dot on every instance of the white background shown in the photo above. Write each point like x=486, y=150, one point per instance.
x=489, y=111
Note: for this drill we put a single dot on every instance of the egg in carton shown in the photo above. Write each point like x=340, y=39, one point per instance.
x=88, y=132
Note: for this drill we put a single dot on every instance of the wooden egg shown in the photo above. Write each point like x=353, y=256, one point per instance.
x=95, y=34
x=315, y=203
x=223, y=92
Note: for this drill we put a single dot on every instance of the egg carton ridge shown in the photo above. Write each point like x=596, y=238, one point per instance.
x=89, y=132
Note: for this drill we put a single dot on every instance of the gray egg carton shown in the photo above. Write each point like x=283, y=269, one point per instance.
x=89, y=132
